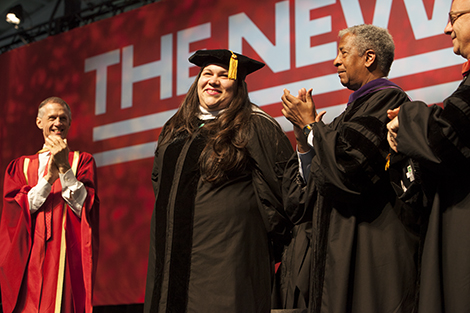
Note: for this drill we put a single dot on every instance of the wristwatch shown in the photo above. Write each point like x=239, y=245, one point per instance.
x=307, y=129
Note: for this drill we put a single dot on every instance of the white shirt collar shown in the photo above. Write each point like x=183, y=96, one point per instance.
x=46, y=152
x=43, y=159
x=208, y=115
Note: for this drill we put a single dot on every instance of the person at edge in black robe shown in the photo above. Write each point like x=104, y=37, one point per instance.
x=363, y=242
x=217, y=178
x=438, y=139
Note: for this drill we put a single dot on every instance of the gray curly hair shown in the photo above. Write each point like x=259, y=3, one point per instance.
x=375, y=38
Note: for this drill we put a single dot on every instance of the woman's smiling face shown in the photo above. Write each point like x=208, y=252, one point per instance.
x=214, y=88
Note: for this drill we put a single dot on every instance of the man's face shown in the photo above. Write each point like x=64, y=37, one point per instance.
x=460, y=30
x=352, y=70
x=54, y=121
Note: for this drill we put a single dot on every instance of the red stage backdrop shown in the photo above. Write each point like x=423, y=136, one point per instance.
x=126, y=75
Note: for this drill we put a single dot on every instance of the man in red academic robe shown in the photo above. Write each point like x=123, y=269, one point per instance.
x=49, y=223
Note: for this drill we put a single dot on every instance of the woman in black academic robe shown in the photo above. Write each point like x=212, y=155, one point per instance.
x=217, y=180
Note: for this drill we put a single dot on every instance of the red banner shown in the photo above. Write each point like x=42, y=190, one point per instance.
x=125, y=76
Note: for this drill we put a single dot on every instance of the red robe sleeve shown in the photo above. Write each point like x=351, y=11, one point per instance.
x=86, y=173
x=15, y=232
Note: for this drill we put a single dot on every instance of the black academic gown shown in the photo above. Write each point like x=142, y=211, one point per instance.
x=211, y=245
x=439, y=139
x=363, y=246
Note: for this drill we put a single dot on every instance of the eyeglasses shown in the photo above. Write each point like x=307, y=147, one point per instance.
x=453, y=16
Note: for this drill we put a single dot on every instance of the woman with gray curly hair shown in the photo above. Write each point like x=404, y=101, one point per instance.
x=375, y=38
x=360, y=242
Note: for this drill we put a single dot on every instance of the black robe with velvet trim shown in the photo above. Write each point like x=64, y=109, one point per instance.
x=211, y=245
x=439, y=139
x=364, y=244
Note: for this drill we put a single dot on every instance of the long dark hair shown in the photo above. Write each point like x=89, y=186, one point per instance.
x=225, y=152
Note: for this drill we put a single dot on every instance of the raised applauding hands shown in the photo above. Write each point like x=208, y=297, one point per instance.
x=59, y=162
x=300, y=111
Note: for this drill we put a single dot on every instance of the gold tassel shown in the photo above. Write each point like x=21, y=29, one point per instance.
x=387, y=164
x=232, y=69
